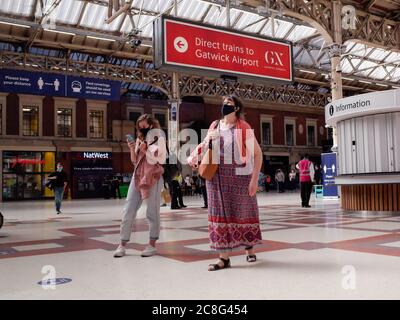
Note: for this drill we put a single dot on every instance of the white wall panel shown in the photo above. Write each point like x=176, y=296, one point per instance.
x=377, y=144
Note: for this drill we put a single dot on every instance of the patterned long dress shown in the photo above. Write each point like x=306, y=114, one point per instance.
x=233, y=218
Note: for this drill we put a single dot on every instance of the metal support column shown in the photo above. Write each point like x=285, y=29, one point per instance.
x=173, y=113
x=335, y=52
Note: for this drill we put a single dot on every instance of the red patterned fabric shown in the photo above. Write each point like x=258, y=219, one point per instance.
x=233, y=219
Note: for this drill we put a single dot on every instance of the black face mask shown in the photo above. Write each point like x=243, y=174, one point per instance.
x=145, y=131
x=227, y=109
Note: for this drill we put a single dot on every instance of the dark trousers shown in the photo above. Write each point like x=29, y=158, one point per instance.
x=204, y=192
x=280, y=187
x=176, y=196
x=306, y=188
x=116, y=192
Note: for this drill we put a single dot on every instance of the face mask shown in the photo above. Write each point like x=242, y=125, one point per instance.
x=59, y=169
x=227, y=109
x=145, y=131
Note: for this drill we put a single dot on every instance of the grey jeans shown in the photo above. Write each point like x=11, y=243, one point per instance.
x=58, y=197
x=132, y=205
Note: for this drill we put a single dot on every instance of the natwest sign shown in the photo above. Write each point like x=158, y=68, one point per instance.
x=181, y=44
x=92, y=155
x=96, y=155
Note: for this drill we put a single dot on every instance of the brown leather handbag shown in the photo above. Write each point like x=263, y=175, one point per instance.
x=208, y=166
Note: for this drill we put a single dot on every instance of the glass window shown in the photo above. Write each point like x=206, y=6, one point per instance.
x=96, y=124
x=32, y=185
x=9, y=186
x=64, y=122
x=289, y=134
x=310, y=136
x=24, y=174
x=134, y=115
x=266, y=133
x=162, y=119
x=30, y=121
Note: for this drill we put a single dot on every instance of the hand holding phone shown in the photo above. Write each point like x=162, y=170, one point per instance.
x=129, y=138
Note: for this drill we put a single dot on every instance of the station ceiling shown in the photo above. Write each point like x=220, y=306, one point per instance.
x=78, y=28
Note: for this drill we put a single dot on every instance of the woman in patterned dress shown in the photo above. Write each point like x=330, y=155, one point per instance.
x=233, y=220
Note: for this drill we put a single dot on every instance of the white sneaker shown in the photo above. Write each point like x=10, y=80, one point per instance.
x=149, y=251
x=120, y=252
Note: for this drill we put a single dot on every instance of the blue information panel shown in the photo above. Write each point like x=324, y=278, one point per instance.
x=92, y=88
x=19, y=81
x=329, y=172
x=50, y=84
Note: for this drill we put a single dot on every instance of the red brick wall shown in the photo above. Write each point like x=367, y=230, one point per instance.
x=301, y=138
x=321, y=122
x=114, y=112
x=48, y=116
x=81, y=116
x=122, y=162
x=191, y=112
x=12, y=114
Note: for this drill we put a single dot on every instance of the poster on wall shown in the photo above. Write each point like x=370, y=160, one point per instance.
x=58, y=85
x=329, y=172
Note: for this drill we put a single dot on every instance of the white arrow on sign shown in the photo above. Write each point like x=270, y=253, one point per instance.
x=180, y=44
x=325, y=168
x=333, y=168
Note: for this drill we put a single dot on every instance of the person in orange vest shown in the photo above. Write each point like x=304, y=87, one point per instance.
x=306, y=169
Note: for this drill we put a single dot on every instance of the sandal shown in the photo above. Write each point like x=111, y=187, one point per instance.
x=216, y=266
x=250, y=257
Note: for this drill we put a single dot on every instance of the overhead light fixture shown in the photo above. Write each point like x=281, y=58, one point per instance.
x=350, y=79
x=62, y=32
x=26, y=109
x=100, y=38
x=15, y=24
x=382, y=85
x=306, y=71
x=365, y=81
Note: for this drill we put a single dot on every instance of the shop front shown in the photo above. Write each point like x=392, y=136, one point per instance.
x=24, y=174
x=90, y=171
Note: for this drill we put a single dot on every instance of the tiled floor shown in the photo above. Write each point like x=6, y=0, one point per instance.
x=315, y=253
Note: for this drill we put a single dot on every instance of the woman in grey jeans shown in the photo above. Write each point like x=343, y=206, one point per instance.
x=147, y=152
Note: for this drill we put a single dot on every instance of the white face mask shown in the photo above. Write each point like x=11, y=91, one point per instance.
x=59, y=169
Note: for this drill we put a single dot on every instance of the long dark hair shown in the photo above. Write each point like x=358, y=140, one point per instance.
x=237, y=102
x=150, y=120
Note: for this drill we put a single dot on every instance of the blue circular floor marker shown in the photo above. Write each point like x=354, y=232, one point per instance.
x=56, y=281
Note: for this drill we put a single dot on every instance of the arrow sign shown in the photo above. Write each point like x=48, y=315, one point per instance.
x=181, y=44
x=325, y=168
x=333, y=168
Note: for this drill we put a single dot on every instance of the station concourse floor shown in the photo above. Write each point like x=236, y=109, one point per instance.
x=307, y=253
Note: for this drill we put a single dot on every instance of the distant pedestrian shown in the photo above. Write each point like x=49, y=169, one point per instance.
x=292, y=179
x=203, y=188
x=317, y=175
x=59, y=182
x=267, y=182
x=115, y=188
x=280, y=180
x=306, y=169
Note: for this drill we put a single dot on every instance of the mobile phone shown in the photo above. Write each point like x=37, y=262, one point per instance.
x=129, y=138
